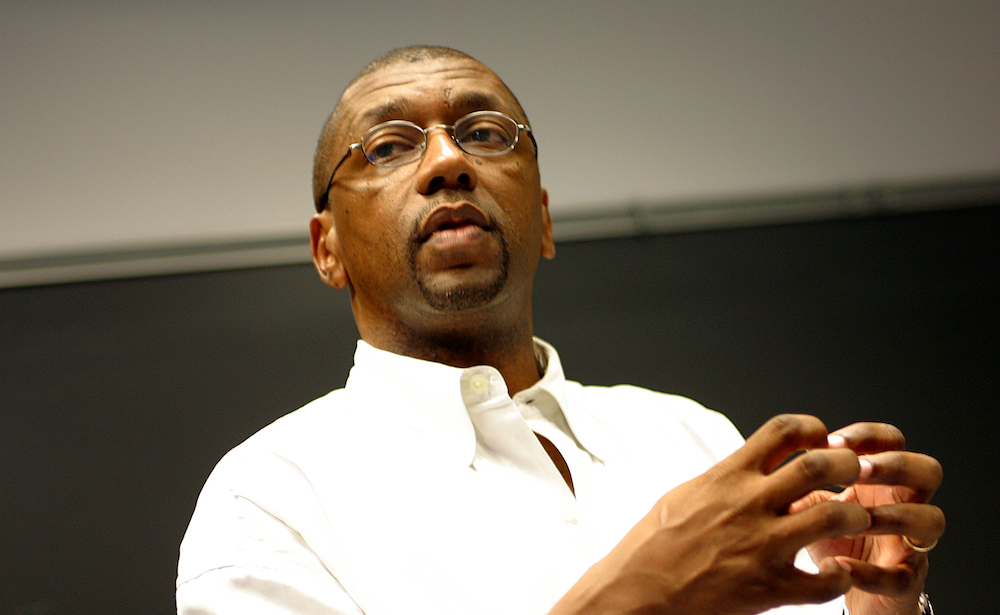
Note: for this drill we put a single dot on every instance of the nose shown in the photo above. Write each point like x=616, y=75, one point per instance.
x=445, y=165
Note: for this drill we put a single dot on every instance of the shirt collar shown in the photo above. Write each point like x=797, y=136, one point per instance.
x=427, y=396
x=550, y=395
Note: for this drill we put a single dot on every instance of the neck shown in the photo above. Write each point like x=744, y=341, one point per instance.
x=510, y=350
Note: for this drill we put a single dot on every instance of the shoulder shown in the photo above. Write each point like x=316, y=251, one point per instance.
x=273, y=476
x=281, y=455
x=323, y=415
x=254, y=490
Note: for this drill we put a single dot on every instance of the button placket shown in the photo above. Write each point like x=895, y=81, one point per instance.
x=536, y=421
x=501, y=427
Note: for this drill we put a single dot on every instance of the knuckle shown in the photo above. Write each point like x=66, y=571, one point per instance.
x=785, y=424
x=894, y=435
x=792, y=427
x=875, y=436
x=936, y=472
x=843, y=517
x=900, y=583
x=931, y=475
x=814, y=467
x=834, y=517
x=890, y=519
x=893, y=467
x=938, y=521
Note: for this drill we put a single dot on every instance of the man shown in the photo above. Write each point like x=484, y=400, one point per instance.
x=459, y=472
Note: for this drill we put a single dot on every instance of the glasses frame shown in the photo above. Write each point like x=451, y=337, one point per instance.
x=325, y=199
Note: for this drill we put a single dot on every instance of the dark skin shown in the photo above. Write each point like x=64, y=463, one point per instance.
x=725, y=541
x=459, y=292
x=370, y=239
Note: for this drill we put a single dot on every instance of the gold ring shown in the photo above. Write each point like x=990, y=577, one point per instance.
x=918, y=548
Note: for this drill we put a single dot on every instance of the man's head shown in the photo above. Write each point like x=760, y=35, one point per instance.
x=448, y=242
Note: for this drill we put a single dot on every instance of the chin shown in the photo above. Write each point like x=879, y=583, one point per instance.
x=460, y=297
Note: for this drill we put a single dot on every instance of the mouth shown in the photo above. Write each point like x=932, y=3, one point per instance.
x=453, y=218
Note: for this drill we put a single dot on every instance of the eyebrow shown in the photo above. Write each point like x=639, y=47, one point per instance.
x=389, y=110
x=478, y=101
x=464, y=102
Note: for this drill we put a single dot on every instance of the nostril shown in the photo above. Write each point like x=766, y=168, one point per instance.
x=464, y=180
x=435, y=184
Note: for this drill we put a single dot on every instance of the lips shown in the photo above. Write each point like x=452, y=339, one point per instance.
x=453, y=216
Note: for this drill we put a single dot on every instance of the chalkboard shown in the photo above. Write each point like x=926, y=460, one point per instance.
x=118, y=397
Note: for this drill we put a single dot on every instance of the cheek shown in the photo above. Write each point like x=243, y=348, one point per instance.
x=376, y=236
x=521, y=192
x=370, y=213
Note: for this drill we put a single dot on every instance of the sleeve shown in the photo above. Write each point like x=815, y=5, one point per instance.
x=250, y=552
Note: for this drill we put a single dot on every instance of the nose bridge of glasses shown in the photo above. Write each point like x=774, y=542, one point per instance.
x=450, y=129
x=449, y=136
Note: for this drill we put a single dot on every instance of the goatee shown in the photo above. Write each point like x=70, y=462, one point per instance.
x=457, y=298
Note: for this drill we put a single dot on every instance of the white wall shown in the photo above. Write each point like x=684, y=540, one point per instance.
x=137, y=124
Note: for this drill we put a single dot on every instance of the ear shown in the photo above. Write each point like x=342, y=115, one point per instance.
x=548, y=241
x=326, y=250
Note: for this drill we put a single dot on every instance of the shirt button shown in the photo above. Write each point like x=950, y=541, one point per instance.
x=479, y=383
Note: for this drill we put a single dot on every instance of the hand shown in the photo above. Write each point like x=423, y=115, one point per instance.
x=725, y=542
x=887, y=575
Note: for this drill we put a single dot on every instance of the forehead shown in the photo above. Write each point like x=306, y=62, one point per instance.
x=438, y=90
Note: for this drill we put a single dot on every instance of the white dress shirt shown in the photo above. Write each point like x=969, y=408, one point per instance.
x=421, y=488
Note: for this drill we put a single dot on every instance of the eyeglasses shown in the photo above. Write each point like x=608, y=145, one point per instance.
x=398, y=142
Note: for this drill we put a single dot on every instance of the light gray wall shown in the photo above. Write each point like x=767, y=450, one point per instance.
x=137, y=124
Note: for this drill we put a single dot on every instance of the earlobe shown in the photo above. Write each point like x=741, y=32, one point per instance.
x=548, y=241
x=326, y=250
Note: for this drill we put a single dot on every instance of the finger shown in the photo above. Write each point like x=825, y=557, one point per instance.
x=828, y=520
x=865, y=438
x=818, y=469
x=922, y=523
x=810, y=499
x=778, y=438
x=920, y=474
x=831, y=581
x=891, y=581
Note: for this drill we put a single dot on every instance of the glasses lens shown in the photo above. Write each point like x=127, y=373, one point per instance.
x=393, y=143
x=486, y=133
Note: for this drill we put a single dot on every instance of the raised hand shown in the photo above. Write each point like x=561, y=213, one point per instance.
x=887, y=571
x=725, y=542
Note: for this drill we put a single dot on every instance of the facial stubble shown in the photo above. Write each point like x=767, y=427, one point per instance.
x=454, y=299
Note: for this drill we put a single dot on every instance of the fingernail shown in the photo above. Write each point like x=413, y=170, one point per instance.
x=834, y=441
x=866, y=468
x=843, y=564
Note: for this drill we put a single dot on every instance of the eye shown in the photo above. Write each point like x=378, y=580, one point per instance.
x=487, y=134
x=393, y=144
x=387, y=151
